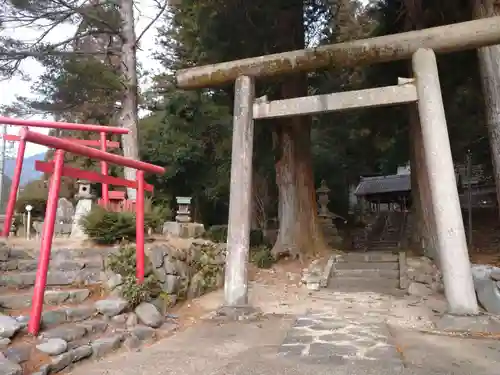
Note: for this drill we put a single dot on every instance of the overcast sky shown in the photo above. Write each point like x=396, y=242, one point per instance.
x=16, y=87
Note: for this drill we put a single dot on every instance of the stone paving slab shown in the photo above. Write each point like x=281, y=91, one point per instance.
x=341, y=337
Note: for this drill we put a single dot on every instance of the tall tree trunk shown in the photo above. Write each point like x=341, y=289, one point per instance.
x=489, y=67
x=299, y=230
x=128, y=117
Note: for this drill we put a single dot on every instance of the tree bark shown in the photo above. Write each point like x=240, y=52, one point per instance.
x=489, y=67
x=299, y=232
x=128, y=117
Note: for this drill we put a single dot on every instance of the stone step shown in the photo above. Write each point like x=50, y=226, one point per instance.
x=385, y=242
x=375, y=256
x=367, y=273
x=21, y=300
x=26, y=279
x=366, y=283
x=375, y=247
x=28, y=265
x=367, y=265
x=69, y=335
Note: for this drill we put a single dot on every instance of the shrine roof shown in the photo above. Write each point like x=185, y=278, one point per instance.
x=383, y=184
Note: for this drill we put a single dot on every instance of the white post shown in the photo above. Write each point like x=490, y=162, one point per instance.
x=28, y=209
x=238, y=237
x=452, y=244
x=28, y=226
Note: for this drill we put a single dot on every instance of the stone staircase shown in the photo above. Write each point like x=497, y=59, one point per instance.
x=369, y=271
x=78, y=322
x=392, y=232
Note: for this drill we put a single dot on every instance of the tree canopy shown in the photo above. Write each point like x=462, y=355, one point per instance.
x=189, y=132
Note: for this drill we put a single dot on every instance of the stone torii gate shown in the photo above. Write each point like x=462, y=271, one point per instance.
x=436, y=178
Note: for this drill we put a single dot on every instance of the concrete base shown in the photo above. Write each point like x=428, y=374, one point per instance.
x=231, y=313
x=479, y=324
x=183, y=230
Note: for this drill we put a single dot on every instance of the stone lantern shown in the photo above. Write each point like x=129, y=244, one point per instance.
x=84, y=190
x=323, y=200
x=184, y=209
x=326, y=217
x=83, y=207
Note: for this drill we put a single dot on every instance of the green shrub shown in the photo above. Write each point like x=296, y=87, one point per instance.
x=216, y=233
x=123, y=263
x=262, y=257
x=108, y=227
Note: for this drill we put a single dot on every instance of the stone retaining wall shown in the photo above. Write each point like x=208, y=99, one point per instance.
x=80, y=328
x=423, y=277
x=186, y=272
x=183, y=273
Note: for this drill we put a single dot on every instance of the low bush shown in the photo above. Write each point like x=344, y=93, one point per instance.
x=124, y=263
x=262, y=257
x=109, y=227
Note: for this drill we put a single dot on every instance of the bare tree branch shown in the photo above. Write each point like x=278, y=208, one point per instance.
x=162, y=7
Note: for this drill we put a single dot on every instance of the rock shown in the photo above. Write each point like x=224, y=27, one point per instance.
x=418, y=289
x=149, y=315
x=4, y=252
x=60, y=362
x=171, y=284
x=26, y=265
x=182, y=268
x=161, y=303
x=67, y=332
x=43, y=370
x=169, y=266
x=156, y=255
x=8, y=326
x=105, y=345
x=114, y=280
x=54, y=317
x=55, y=297
x=78, y=296
x=23, y=320
x=4, y=343
x=160, y=274
x=196, y=286
x=168, y=327
x=75, y=314
x=9, y=368
x=495, y=275
x=119, y=319
x=80, y=353
x=18, y=354
x=53, y=346
x=20, y=254
x=132, y=343
x=132, y=321
x=143, y=332
x=488, y=295
x=111, y=307
x=94, y=325
x=117, y=292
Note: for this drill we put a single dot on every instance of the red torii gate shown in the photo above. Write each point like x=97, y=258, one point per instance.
x=103, y=143
x=62, y=145
x=58, y=170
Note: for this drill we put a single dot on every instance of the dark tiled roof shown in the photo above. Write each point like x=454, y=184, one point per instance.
x=383, y=184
